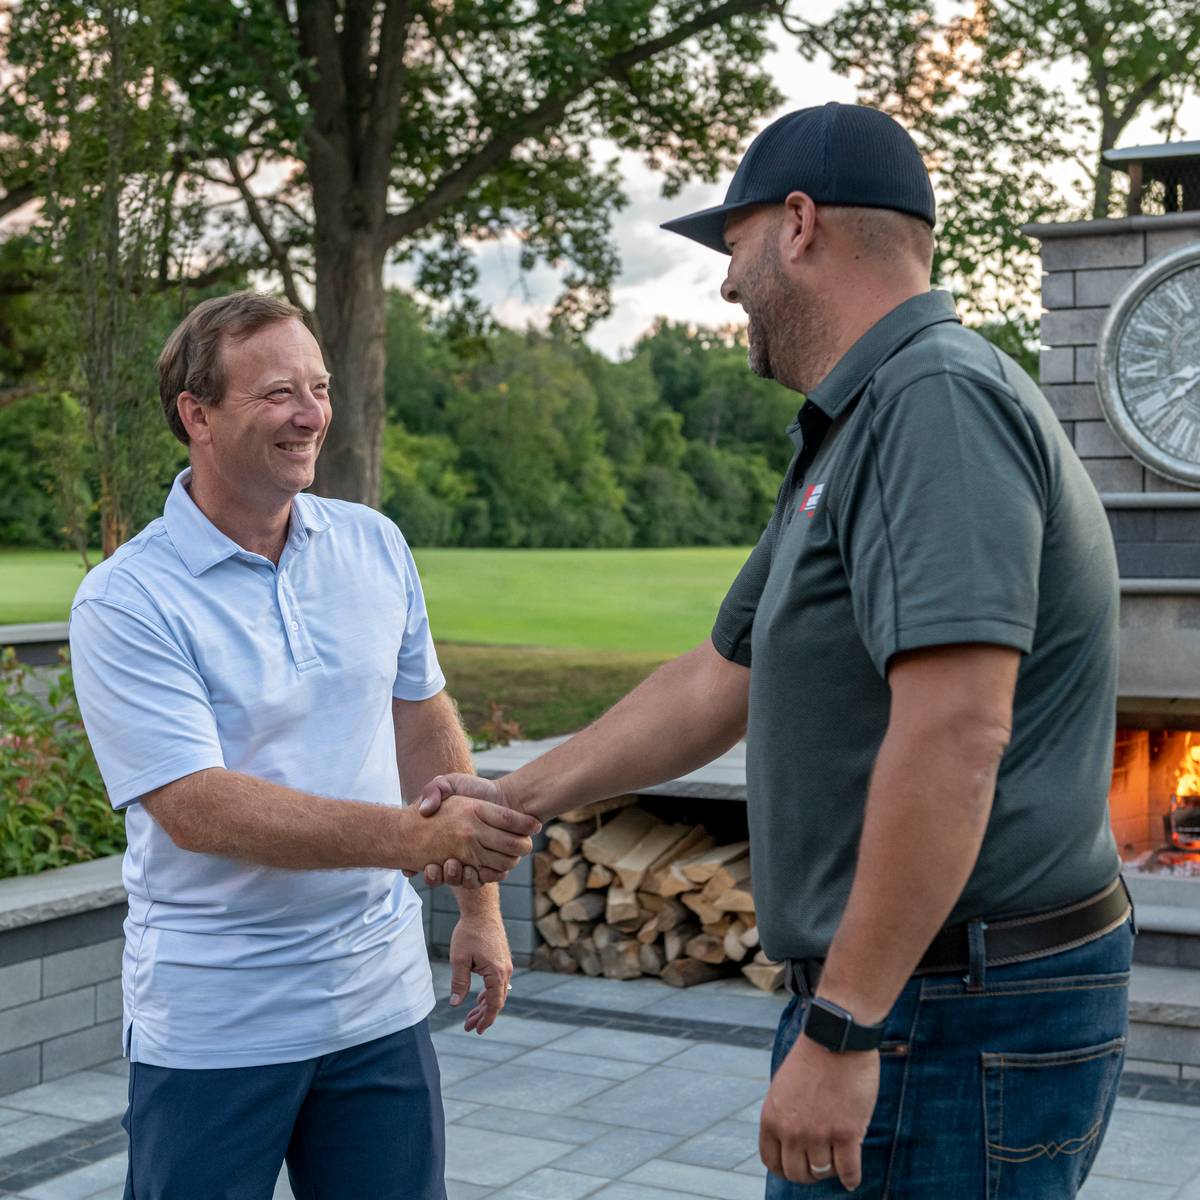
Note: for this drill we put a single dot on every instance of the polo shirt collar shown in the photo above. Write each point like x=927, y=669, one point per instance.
x=201, y=545
x=854, y=369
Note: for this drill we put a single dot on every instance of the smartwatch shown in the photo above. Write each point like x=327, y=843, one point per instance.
x=831, y=1026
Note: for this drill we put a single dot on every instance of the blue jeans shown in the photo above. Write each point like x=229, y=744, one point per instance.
x=362, y=1122
x=999, y=1093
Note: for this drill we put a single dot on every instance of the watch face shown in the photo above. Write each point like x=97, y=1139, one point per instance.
x=1150, y=366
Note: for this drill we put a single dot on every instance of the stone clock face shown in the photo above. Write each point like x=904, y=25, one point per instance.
x=1150, y=366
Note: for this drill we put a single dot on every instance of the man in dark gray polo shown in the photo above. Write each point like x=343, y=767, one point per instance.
x=923, y=645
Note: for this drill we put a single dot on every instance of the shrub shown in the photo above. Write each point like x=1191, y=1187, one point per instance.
x=53, y=807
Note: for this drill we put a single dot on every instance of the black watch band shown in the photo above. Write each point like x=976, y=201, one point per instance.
x=831, y=1026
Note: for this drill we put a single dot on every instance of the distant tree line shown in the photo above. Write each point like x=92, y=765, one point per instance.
x=508, y=439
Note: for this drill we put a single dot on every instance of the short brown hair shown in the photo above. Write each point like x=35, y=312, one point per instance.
x=191, y=359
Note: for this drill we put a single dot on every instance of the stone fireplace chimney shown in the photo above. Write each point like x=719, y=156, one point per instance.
x=1120, y=364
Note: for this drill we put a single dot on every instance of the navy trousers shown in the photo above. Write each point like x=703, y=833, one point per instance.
x=363, y=1122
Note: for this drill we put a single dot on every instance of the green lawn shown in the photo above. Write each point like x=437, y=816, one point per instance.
x=655, y=602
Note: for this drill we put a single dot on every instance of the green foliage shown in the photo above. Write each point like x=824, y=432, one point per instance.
x=1007, y=142
x=53, y=807
x=29, y=512
x=528, y=440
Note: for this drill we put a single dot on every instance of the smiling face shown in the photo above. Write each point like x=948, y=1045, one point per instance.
x=789, y=322
x=260, y=443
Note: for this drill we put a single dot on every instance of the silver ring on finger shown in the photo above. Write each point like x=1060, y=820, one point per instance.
x=508, y=987
x=824, y=1169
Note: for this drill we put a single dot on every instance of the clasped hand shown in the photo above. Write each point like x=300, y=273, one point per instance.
x=476, y=837
x=448, y=793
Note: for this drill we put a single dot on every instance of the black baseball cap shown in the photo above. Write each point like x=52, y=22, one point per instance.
x=837, y=153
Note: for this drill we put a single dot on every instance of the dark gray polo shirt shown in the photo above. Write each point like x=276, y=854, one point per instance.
x=934, y=499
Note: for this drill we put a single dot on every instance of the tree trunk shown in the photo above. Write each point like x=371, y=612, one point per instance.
x=1110, y=130
x=351, y=315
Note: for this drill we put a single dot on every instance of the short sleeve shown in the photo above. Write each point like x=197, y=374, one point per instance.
x=145, y=708
x=942, y=526
x=735, y=618
x=418, y=673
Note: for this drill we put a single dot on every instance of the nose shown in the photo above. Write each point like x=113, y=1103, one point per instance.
x=729, y=292
x=310, y=413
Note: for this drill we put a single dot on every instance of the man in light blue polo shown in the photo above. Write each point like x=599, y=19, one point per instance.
x=257, y=678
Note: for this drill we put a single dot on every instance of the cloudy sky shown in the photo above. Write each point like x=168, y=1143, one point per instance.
x=664, y=274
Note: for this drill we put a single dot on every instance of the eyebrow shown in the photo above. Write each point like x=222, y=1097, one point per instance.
x=274, y=384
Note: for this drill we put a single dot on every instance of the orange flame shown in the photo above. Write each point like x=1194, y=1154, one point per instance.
x=1187, y=777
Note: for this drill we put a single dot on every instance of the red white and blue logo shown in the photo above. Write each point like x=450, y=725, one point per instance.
x=812, y=497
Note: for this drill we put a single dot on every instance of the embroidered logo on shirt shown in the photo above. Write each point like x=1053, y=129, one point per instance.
x=811, y=498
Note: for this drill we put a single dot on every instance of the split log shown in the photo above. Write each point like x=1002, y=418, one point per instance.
x=707, y=948
x=686, y=972
x=564, y=866
x=570, y=886
x=598, y=809
x=563, y=837
x=671, y=915
x=699, y=839
x=543, y=873
x=768, y=976
x=552, y=929
x=700, y=868
x=676, y=940
x=735, y=948
x=577, y=931
x=585, y=907
x=564, y=962
x=613, y=841
x=604, y=935
x=651, y=958
x=739, y=899
x=621, y=960
x=587, y=956
x=708, y=912
x=600, y=876
x=726, y=878
x=749, y=939
x=632, y=866
x=541, y=960
x=621, y=907
x=542, y=904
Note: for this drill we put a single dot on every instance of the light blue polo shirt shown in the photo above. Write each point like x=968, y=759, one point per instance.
x=189, y=653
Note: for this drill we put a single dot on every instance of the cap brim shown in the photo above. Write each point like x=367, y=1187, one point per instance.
x=706, y=226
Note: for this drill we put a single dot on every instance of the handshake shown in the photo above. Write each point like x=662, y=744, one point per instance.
x=463, y=833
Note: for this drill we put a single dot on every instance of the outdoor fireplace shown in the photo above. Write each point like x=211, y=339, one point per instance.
x=1154, y=803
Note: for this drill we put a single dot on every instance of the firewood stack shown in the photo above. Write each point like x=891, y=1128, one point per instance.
x=620, y=893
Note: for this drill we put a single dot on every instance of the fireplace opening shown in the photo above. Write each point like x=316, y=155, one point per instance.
x=1154, y=802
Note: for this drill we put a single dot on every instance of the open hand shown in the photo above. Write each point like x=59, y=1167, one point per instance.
x=480, y=945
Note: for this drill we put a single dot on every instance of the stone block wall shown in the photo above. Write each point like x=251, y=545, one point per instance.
x=60, y=996
x=1086, y=266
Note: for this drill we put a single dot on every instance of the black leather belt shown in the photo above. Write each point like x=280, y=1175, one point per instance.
x=1005, y=940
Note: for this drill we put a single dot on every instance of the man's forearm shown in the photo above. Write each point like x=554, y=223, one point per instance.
x=687, y=713
x=430, y=740
x=241, y=816
x=927, y=812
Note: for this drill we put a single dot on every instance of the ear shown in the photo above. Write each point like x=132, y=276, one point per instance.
x=799, y=225
x=194, y=416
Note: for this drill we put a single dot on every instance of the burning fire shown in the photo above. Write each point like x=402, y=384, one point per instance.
x=1187, y=777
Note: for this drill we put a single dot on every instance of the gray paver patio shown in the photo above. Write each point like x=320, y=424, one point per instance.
x=543, y=1109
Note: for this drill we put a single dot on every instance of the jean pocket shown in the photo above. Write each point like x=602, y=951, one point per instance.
x=1045, y=1116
